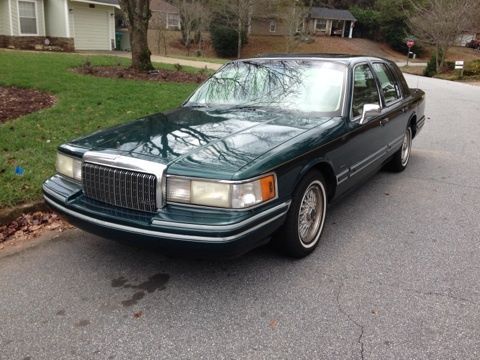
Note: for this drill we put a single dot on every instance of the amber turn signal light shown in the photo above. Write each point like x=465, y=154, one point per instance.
x=268, y=187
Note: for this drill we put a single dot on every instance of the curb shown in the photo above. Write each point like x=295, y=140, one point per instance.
x=9, y=214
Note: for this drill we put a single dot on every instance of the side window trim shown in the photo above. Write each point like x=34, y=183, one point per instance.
x=398, y=82
x=380, y=99
x=397, y=85
x=405, y=90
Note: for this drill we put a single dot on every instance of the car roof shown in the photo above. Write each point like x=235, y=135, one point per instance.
x=344, y=58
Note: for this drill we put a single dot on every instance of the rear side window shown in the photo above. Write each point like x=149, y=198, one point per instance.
x=364, y=89
x=388, y=83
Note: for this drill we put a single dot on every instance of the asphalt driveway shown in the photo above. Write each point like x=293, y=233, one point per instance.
x=396, y=276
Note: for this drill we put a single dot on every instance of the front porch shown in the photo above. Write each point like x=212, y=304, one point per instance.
x=330, y=27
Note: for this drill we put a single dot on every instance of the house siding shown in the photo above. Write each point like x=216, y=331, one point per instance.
x=56, y=22
x=71, y=21
x=92, y=28
x=4, y=18
x=15, y=18
x=159, y=19
x=262, y=27
x=41, y=18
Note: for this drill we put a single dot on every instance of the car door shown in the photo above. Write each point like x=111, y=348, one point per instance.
x=365, y=145
x=394, y=113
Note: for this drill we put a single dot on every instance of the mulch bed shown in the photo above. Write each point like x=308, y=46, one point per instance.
x=29, y=226
x=15, y=102
x=121, y=72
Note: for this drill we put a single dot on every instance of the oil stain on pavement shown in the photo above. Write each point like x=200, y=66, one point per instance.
x=154, y=283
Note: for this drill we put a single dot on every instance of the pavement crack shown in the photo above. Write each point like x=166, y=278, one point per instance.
x=446, y=295
x=439, y=294
x=353, y=321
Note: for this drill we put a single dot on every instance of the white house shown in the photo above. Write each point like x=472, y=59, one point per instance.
x=467, y=36
x=58, y=24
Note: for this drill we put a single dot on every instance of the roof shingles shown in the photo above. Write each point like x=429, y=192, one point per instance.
x=163, y=6
x=331, y=14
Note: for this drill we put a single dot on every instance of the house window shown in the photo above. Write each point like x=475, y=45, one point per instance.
x=173, y=21
x=321, y=25
x=273, y=26
x=28, y=17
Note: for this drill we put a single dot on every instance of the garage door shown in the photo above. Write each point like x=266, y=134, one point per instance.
x=91, y=28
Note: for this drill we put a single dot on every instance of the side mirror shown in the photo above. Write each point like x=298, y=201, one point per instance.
x=369, y=110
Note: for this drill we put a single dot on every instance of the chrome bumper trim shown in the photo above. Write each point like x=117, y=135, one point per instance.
x=285, y=205
x=159, y=234
x=53, y=193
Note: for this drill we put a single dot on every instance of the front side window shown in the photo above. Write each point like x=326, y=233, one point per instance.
x=28, y=18
x=299, y=85
x=387, y=83
x=364, y=89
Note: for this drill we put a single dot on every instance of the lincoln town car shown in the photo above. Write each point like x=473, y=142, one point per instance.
x=256, y=154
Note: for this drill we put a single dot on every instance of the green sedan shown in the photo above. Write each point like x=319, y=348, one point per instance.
x=256, y=154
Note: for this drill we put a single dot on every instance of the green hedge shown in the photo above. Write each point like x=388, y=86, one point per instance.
x=472, y=68
x=224, y=40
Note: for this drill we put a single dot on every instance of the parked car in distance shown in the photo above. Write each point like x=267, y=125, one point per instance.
x=264, y=145
x=473, y=44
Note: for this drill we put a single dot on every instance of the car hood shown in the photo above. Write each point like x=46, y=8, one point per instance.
x=205, y=141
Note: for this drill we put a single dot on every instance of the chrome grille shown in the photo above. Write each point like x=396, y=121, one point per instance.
x=119, y=187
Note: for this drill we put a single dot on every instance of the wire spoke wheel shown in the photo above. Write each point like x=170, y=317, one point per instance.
x=304, y=224
x=311, y=214
x=406, y=146
x=401, y=157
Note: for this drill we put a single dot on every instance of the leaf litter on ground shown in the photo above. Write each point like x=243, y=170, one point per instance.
x=31, y=225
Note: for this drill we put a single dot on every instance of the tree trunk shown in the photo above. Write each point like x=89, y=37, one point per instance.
x=239, y=48
x=138, y=15
x=140, y=52
x=165, y=43
x=443, y=56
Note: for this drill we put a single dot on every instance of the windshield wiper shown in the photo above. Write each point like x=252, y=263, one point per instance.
x=244, y=107
x=194, y=106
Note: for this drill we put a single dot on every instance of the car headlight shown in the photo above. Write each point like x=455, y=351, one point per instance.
x=235, y=195
x=69, y=166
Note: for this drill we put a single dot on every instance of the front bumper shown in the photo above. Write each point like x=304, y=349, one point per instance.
x=175, y=229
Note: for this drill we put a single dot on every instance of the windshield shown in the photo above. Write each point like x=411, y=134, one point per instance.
x=302, y=85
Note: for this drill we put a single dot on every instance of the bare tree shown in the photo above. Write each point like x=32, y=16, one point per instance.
x=138, y=14
x=158, y=26
x=440, y=22
x=295, y=12
x=193, y=19
x=237, y=14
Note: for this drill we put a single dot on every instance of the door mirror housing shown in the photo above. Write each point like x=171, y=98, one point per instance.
x=368, y=111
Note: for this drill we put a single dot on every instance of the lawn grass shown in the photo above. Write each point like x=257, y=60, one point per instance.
x=84, y=104
x=414, y=70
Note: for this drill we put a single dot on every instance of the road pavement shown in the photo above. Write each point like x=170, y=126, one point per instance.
x=396, y=275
